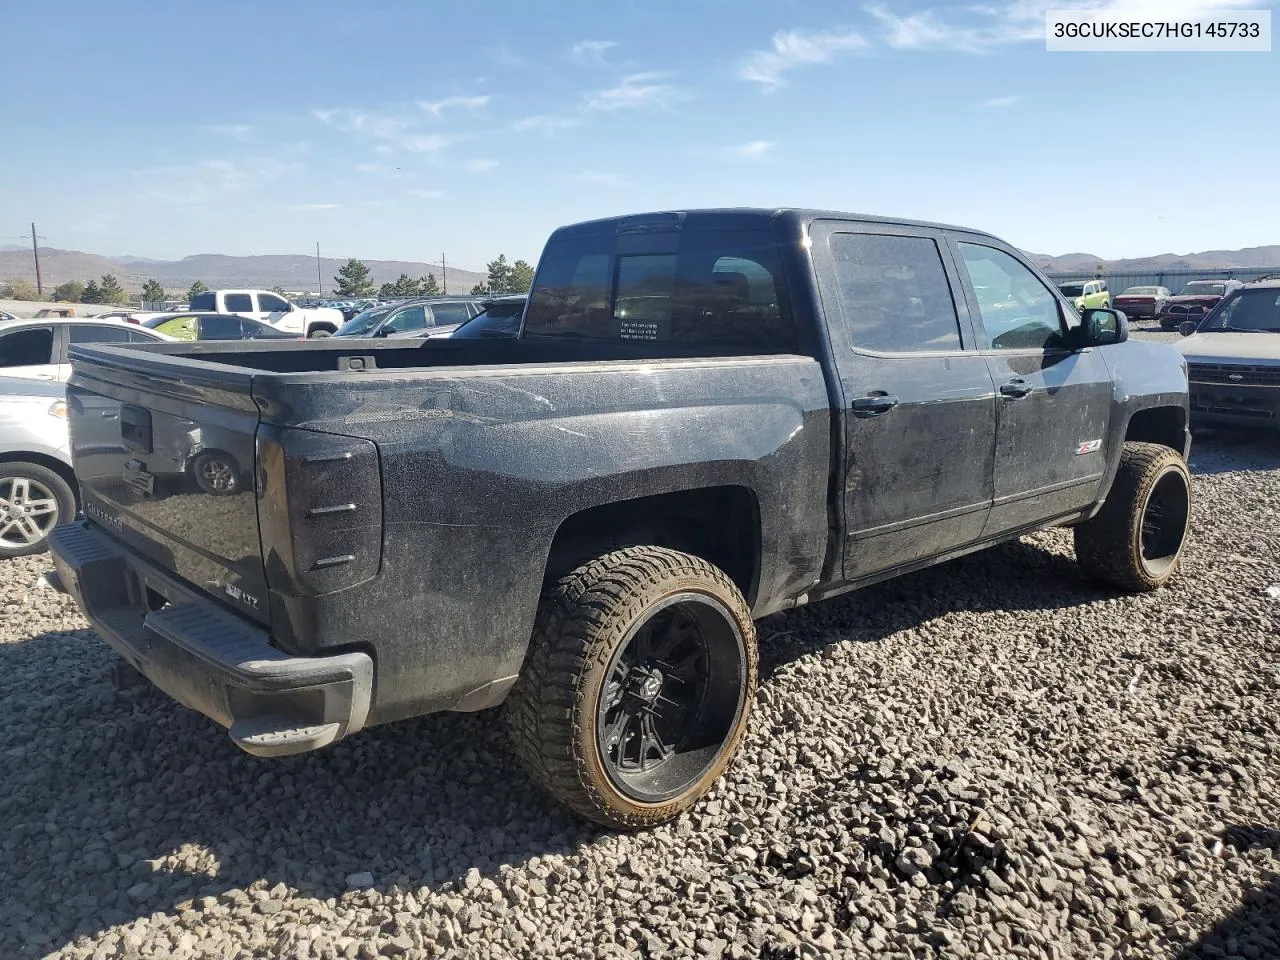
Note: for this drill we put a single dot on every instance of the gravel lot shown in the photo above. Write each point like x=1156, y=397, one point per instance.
x=991, y=758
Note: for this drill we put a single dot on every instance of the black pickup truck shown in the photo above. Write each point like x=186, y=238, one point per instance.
x=707, y=417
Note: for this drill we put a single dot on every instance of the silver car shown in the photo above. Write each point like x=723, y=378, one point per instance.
x=37, y=485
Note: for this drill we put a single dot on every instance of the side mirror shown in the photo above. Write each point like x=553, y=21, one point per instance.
x=1102, y=327
x=1187, y=327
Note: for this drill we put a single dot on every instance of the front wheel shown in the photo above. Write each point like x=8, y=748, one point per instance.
x=637, y=686
x=1136, y=540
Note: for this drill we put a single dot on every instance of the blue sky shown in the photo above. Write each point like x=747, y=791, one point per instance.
x=397, y=130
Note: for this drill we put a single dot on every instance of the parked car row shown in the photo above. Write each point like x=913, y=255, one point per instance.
x=1192, y=302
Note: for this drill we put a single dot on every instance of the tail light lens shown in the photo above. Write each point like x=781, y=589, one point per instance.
x=319, y=510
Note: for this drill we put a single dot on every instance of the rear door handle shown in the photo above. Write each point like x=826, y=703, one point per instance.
x=874, y=405
x=1015, y=389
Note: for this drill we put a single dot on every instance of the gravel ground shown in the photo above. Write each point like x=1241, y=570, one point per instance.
x=991, y=758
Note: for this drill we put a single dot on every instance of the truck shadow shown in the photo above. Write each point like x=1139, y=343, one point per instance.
x=1252, y=929
x=117, y=805
x=1019, y=575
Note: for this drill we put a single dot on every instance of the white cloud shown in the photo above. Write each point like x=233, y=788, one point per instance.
x=425, y=142
x=372, y=168
x=379, y=126
x=427, y=194
x=794, y=48
x=236, y=131
x=635, y=90
x=480, y=165
x=314, y=207
x=547, y=123
x=590, y=51
x=384, y=149
x=754, y=150
x=208, y=182
x=437, y=107
x=995, y=103
x=598, y=178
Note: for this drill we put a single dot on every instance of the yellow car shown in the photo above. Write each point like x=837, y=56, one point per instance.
x=1086, y=294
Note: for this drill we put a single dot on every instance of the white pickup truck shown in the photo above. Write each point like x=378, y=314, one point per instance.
x=270, y=308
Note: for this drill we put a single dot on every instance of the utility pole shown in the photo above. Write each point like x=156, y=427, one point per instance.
x=35, y=251
x=444, y=273
x=319, y=281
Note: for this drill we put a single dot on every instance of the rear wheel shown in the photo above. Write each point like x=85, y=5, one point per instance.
x=1136, y=540
x=216, y=472
x=637, y=687
x=33, y=500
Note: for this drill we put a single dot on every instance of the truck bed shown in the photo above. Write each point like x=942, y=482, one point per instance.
x=409, y=508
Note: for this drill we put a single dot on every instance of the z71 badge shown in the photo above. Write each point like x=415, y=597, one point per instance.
x=1089, y=446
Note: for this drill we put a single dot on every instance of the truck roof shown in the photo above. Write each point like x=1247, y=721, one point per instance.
x=733, y=218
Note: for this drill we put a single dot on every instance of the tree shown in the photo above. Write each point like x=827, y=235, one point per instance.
x=152, y=292
x=197, y=288
x=92, y=293
x=111, y=290
x=352, y=280
x=428, y=286
x=279, y=291
x=19, y=290
x=69, y=292
x=521, y=277
x=499, y=275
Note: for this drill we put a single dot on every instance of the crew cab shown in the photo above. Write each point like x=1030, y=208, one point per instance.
x=270, y=308
x=707, y=417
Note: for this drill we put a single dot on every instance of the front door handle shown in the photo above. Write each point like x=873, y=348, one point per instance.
x=1015, y=389
x=874, y=405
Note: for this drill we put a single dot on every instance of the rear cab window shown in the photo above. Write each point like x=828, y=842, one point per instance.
x=690, y=288
x=204, y=301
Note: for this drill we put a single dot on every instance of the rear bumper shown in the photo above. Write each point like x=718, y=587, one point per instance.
x=208, y=659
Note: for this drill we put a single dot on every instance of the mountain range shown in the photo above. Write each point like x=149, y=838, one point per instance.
x=214, y=270
x=298, y=272
x=1249, y=257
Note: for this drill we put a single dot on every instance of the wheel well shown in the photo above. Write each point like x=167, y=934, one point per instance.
x=50, y=463
x=1166, y=426
x=719, y=524
x=324, y=325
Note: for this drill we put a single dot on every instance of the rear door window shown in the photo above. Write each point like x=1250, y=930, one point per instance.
x=701, y=287
x=97, y=333
x=894, y=294
x=220, y=328
x=27, y=348
x=447, y=313
x=239, y=303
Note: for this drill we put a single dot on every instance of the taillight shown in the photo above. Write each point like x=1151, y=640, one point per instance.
x=319, y=510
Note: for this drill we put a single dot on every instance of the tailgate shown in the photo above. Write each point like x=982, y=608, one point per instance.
x=164, y=452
